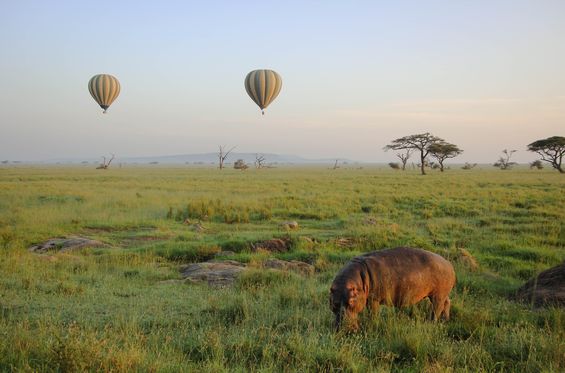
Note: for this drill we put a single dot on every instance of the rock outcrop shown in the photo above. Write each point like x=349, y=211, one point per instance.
x=65, y=244
x=221, y=273
x=547, y=288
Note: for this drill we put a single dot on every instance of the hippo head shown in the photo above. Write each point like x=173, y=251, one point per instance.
x=348, y=297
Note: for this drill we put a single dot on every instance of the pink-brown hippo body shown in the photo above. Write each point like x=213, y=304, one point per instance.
x=396, y=277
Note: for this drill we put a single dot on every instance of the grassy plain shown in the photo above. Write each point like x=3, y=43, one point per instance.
x=111, y=309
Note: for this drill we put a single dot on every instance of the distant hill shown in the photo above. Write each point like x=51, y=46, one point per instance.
x=203, y=158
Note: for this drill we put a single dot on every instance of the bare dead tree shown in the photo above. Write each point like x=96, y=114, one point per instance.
x=222, y=155
x=259, y=160
x=104, y=165
x=404, y=157
x=504, y=161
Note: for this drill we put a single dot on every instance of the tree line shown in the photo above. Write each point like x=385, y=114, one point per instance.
x=426, y=145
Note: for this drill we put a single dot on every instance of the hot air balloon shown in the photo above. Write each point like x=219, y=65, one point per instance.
x=263, y=86
x=104, y=89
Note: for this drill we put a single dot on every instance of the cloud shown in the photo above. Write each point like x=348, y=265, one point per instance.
x=472, y=113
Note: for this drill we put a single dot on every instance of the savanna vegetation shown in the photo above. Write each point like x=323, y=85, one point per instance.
x=114, y=308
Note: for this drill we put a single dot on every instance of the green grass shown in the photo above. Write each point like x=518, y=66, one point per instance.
x=113, y=309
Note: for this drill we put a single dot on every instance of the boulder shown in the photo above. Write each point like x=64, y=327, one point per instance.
x=225, y=273
x=214, y=273
x=65, y=244
x=293, y=265
x=547, y=288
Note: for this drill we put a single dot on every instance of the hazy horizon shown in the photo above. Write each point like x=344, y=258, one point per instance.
x=484, y=75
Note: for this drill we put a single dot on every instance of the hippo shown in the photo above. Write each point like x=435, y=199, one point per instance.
x=397, y=277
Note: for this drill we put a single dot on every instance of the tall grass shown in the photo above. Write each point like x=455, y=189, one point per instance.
x=114, y=309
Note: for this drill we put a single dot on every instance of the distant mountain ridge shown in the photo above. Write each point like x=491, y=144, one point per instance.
x=203, y=158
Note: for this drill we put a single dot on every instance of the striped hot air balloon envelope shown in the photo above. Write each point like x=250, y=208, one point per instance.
x=104, y=89
x=263, y=86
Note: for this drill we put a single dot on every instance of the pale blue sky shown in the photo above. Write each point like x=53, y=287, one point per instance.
x=486, y=75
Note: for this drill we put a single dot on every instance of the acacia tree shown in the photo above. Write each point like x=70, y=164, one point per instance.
x=551, y=150
x=442, y=151
x=404, y=157
x=420, y=142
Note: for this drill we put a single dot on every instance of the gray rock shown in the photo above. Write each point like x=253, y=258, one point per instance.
x=547, y=288
x=214, y=273
x=65, y=244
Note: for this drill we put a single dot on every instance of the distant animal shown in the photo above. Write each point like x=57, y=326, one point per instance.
x=395, y=277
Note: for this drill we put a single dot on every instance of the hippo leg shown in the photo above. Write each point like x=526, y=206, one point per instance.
x=339, y=318
x=438, y=306
x=446, y=308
